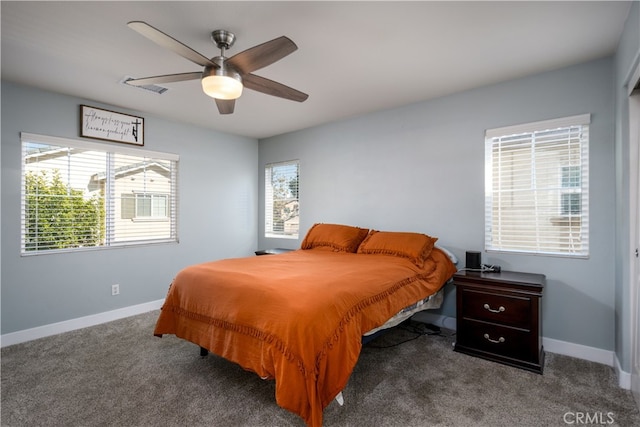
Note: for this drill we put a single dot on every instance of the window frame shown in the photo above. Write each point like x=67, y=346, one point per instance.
x=269, y=200
x=576, y=223
x=137, y=197
x=109, y=194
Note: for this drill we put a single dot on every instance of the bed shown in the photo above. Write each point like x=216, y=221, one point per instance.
x=299, y=317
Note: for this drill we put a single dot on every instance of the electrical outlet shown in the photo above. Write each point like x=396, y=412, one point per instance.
x=115, y=289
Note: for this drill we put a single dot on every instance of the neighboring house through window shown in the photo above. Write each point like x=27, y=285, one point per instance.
x=80, y=194
x=537, y=186
x=282, y=205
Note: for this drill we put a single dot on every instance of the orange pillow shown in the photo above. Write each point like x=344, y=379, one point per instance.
x=414, y=246
x=339, y=238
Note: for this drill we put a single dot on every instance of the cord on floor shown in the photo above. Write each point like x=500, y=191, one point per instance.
x=419, y=329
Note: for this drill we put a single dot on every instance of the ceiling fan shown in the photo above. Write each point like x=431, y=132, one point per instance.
x=224, y=78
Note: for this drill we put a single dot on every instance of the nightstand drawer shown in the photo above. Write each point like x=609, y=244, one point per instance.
x=492, y=307
x=498, y=340
x=498, y=317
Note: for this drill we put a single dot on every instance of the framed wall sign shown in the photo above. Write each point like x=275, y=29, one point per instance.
x=111, y=126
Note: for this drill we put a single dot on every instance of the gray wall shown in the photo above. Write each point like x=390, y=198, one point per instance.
x=627, y=61
x=421, y=168
x=217, y=184
x=416, y=168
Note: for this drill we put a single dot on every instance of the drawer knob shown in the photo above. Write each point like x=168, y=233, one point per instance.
x=499, y=310
x=498, y=341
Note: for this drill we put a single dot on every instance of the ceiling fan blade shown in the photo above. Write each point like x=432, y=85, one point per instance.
x=226, y=106
x=170, y=43
x=167, y=78
x=261, y=84
x=262, y=55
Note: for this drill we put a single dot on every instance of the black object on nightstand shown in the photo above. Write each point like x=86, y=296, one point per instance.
x=499, y=317
x=274, y=251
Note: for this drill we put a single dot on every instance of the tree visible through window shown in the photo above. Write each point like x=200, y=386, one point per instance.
x=59, y=217
x=282, y=206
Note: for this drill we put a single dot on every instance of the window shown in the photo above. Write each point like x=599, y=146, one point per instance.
x=282, y=207
x=536, y=189
x=571, y=197
x=78, y=195
x=145, y=206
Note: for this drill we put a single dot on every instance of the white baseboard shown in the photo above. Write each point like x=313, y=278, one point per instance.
x=579, y=351
x=624, y=378
x=79, y=323
x=550, y=345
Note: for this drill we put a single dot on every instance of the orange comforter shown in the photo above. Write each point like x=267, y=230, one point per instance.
x=297, y=317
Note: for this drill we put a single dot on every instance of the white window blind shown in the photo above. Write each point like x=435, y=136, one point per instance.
x=537, y=187
x=282, y=206
x=78, y=195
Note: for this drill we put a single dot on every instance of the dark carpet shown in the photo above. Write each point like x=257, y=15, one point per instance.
x=119, y=374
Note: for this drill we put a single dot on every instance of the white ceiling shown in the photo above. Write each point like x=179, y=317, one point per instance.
x=353, y=57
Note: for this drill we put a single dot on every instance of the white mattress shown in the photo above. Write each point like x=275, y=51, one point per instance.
x=431, y=302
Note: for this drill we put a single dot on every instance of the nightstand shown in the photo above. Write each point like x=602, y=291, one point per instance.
x=275, y=251
x=498, y=317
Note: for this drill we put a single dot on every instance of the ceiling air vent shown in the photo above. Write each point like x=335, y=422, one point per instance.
x=151, y=88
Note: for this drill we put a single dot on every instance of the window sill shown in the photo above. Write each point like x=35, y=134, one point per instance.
x=566, y=220
x=149, y=219
x=280, y=236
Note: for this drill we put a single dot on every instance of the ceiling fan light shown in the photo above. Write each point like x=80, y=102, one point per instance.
x=222, y=83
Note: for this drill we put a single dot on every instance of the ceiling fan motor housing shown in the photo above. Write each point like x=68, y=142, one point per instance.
x=216, y=80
